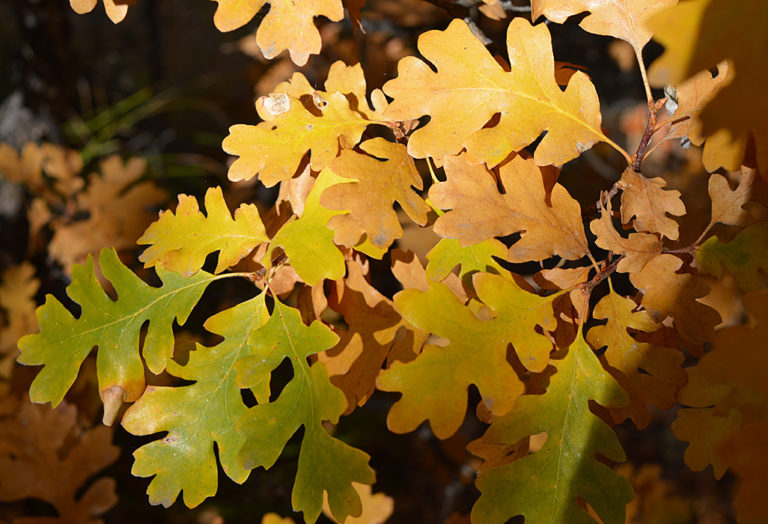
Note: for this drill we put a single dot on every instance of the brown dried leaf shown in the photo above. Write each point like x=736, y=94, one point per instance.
x=648, y=201
x=43, y=455
x=18, y=287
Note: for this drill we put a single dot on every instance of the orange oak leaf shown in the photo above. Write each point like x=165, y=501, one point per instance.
x=297, y=120
x=668, y=293
x=377, y=507
x=115, y=9
x=44, y=455
x=532, y=204
x=637, y=249
x=18, y=287
x=375, y=334
x=649, y=203
x=469, y=88
x=687, y=100
x=728, y=395
x=288, y=24
x=377, y=185
x=650, y=374
x=698, y=35
x=119, y=210
x=622, y=19
x=728, y=204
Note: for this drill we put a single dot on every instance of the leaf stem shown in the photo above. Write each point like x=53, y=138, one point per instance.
x=644, y=74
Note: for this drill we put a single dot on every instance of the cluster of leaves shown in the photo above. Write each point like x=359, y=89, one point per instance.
x=598, y=337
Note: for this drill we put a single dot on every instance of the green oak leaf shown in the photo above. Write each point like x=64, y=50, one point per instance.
x=308, y=241
x=197, y=415
x=545, y=486
x=449, y=253
x=325, y=463
x=113, y=326
x=744, y=257
x=435, y=384
x=180, y=242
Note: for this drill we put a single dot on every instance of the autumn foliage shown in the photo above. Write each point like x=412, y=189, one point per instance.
x=567, y=315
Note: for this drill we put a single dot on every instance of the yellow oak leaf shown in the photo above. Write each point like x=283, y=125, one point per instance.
x=180, y=242
x=288, y=24
x=377, y=507
x=650, y=374
x=115, y=9
x=622, y=19
x=376, y=186
x=649, y=203
x=700, y=34
x=297, y=120
x=532, y=204
x=469, y=88
x=434, y=385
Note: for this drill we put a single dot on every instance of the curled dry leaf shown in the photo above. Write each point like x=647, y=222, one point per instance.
x=44, y=455
x=470, y=88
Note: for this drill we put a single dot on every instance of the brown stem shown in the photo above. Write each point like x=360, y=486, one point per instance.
x=602, y=275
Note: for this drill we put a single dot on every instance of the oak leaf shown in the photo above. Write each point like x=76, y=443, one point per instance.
x=44, y=455
x=18, y=287
x=728, y=204
x=288, y=24
x=376, y=186
x=667, y=293
x=449, y=253
x=545, y=486
x=745, y=257
x=728, y=396
x=118, y=208
x=308, y=241
x=180, y=242
x=326, y=464
x=377, y=507
x=435, y=384
x=532, y=204
x=113, y=325
x=649, y=203
x=622, y=19
x=197, y=415
x=470, y=87
x=298, y=119
x=650, y=374
x=115, y=9
x=375, y=335
x=637, y=249
x=698, y=35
